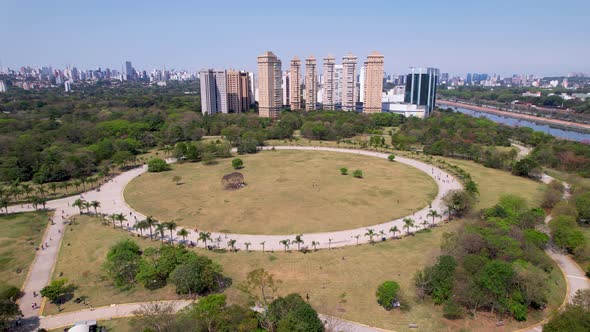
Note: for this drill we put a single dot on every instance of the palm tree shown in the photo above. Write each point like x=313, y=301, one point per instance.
x=113, y=218
x=298, y=240
x=41, y=191
x=79, y=203
x=262, y=244
x=160, y=229
x=433, y=214
x=77, y=184
x=65, y=185
x=393, y=230
x=86, y=205
x=171, y=226
x=329, y=244
x=285, y=243
x=95, y=205
x=4, y=203
x=357, y=238
x=53, y=187
x=121, y=218
x=183, y=233
x=232, y=244
x=27, y=189
x=425, y=223
x=247, y=244
x=141, y=226
x=167, y=149
x=370, y=233
x=35, y=201
x=382, y=233
x=83, y=181
x=204, y=236
x=314, y=244
x=408, y=223
x=151, y=222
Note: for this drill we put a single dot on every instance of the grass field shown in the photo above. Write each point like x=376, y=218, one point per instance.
x=493, y=183
x=83, y=250
x=286, y=192
x=20, y=233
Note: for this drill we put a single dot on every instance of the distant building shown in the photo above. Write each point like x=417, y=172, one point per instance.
x=310, y=84
x=349, y=93
x=362, y=79
x=329, y=82
x=213, y=91
x=270, y=94
x=67, y=86
x=421, y=88
x=338, y=69
x=531, y=94
x=286, y=86
x=129, y=71
x=3, y=86
x=373, y=83
x=295, y=84
x=238, y=91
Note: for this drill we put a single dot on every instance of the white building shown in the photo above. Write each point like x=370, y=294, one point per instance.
x=213, y=91
x=405, y=109
x=362, y=83
x=67, y=86
x=2, y=86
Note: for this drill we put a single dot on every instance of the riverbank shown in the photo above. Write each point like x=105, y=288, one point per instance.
x=560, y=123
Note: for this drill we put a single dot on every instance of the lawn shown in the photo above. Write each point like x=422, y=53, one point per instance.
x=20, y=233
x=493, y=183
x=287, y=192
x=83, y=250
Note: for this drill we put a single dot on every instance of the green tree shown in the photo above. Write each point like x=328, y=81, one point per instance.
x=582, y=203
x=370, y=233
x=343, y=170
x=56, y=291
x=171, y=226
x=357, y=174
x=433, y=214
x=387, y=294
x=292, y=313
x=157, y=165
x=408, y=223
x=197, y=275
x=394, y=230
x=122, y=263
x=298, y=240
x=95, y=205
x=237, y=163
x=183, y=233
x=285, y=243
x=204, y=237
x=391, y=157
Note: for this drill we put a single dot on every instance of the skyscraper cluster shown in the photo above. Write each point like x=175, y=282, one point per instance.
x=339, y=88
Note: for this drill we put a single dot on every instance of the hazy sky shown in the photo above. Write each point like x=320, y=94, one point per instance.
x=493, y=36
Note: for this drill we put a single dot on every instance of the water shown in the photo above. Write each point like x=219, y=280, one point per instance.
x=515, y=122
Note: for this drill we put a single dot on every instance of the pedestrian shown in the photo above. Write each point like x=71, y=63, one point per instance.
x=33, y=305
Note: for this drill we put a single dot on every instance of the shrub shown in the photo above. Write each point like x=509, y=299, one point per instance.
x=357, y=174
x=237, y=163
x=344, y=171
x=566, y=234
x=452, y=310
x=391, y=157
x=208, y=158
x=157, y=165
x=550, y=198
x=387, y=294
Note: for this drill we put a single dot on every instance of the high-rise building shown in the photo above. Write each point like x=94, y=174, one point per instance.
x=421, y=88
x=286, y=86
x=213, y=91
x=349, y=97
x=270, y=94
x=67, y=86
x=3, y=87
x=295, y=86
x=129, y=71
x=362, y=79
x=373, y=83
x=310, y=84
x=338, y=86
x=253, y=87
x=329, y=83
x=238, y=91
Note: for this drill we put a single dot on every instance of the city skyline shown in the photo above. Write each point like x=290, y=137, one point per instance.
x=451, y=36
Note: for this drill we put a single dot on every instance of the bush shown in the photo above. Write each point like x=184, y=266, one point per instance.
x=208, y=158
x=292, y=313
x=566, y=234
x=550, y=198
x=357, y=174
x=344, y=171
x=387, y=294
x=452, y=310
x=157, y=165
x=391, y=157
x=237, y=163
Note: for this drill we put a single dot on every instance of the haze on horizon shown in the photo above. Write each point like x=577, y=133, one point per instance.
x=457, y=36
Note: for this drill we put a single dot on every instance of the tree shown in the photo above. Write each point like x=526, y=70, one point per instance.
x=79, y=203
x=232, y=244
x=387, y=294
x=183, y=233
x=315, y=244
x=433, y=214
x=299, y=241
x=171, y=226
x=157, y=165
x=391, y=157
x=343, y=170
x=160, y=229
x=154, y=316
x=262, y=244
x=330, y=243
x=408, y=223
x=95, y=205
x=197, y=275
x=122, y=263
x=237, y=163
x=56, y=291
x=524, y=167
x=209, y=310
x=292, y=313
x=582, y=203
x=458, y=202
x=370, y=233
x=575, y=317
x=204, y=237
x=120, y=218
x=151, y=222
x=9, y=310
x=176, y=179
x=394, y=230
x=285, y=243
x=247, y=245
x=357, y=174
x=260, y=286
x=141, y=226
x=437, y=280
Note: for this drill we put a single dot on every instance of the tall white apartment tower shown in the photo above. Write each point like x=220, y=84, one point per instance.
x=310, y=84
x=329, y=83
x=295, y=84
x=270, y=94
x=349, y=95
x=213, y=91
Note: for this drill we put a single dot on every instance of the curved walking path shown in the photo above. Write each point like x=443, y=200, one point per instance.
x=110, y=196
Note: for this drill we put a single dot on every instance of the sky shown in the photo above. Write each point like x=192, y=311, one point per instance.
x=494, y=36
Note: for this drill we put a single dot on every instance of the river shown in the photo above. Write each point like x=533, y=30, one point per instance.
x=515, y=122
